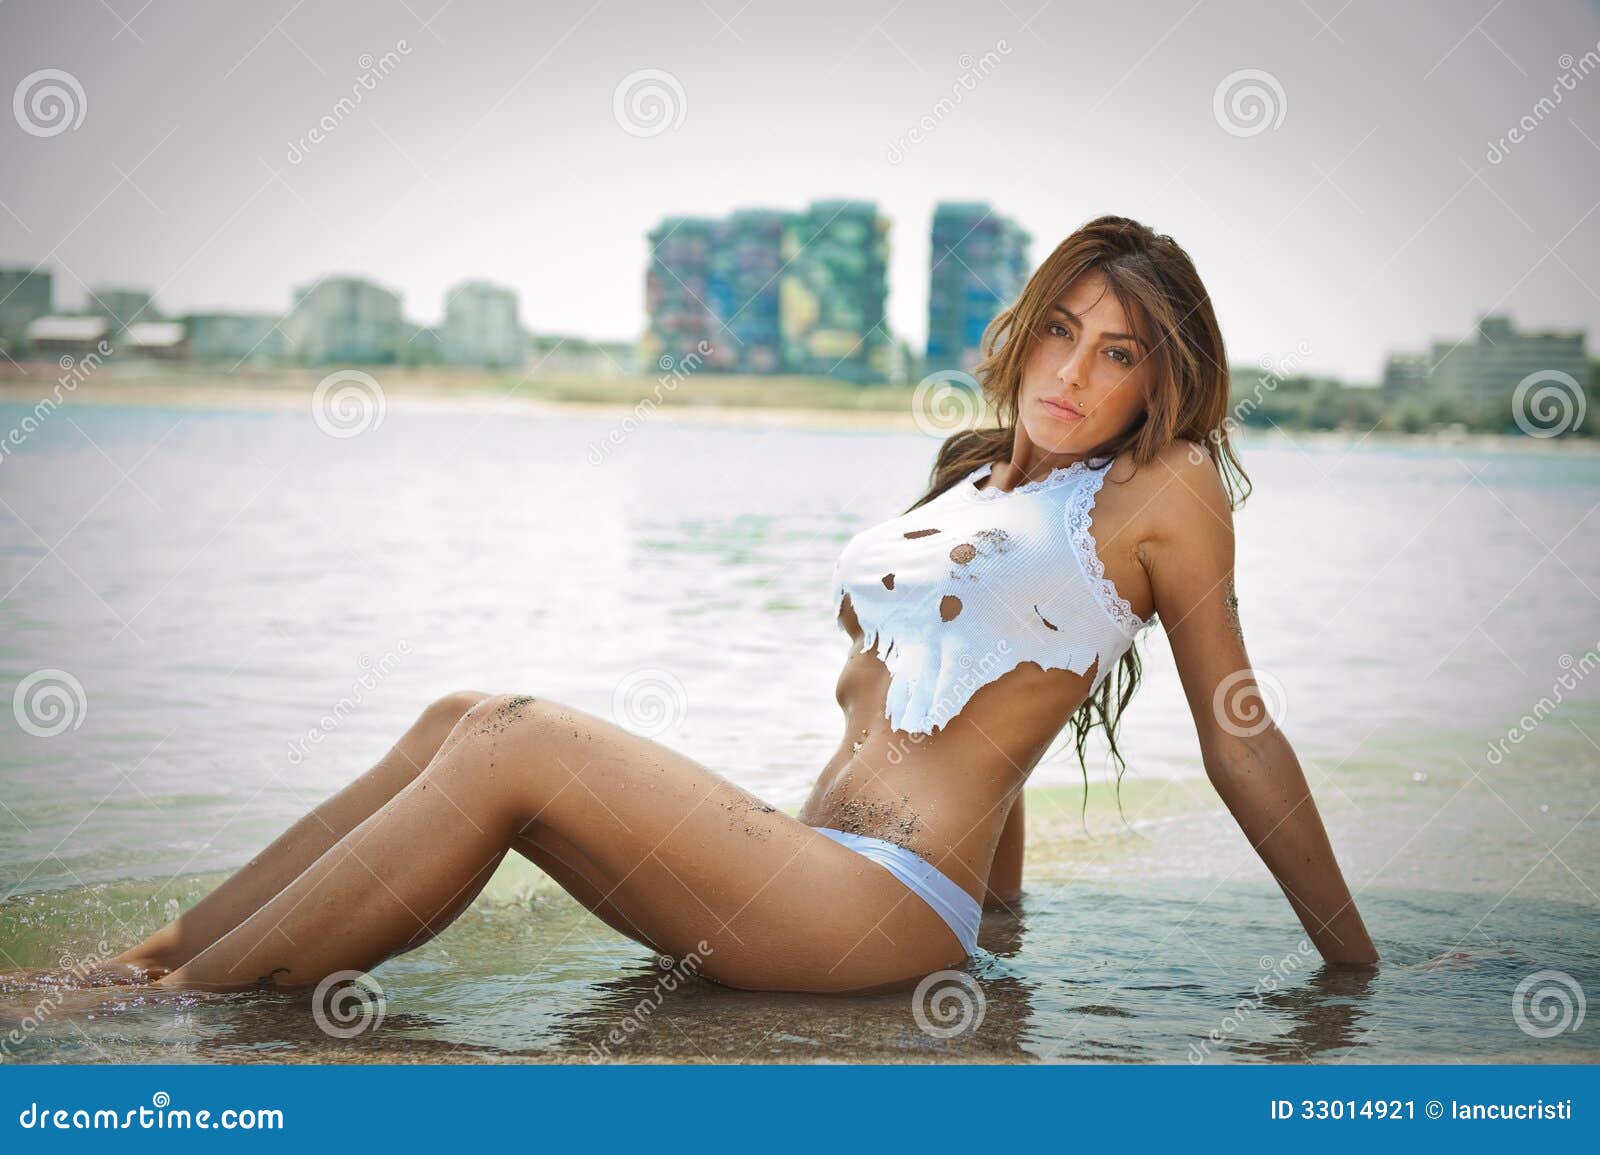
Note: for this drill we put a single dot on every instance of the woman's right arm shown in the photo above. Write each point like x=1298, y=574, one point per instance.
x=1247, y=758
x=1005, y=873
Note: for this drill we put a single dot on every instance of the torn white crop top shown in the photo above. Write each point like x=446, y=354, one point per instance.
x=977, y=581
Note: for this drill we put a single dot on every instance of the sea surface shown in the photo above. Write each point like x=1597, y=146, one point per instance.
x=211, y=619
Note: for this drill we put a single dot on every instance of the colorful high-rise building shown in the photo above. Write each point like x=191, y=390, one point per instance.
x=978, y=266
x=834, y=291
x=768, y=291
x=743, y=289
x=122, y=306
x=677, y=291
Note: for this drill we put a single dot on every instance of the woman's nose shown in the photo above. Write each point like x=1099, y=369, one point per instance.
x=1067, y=374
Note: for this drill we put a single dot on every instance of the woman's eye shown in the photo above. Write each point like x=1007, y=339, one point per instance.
x=1122, y=356
x=1059, y=330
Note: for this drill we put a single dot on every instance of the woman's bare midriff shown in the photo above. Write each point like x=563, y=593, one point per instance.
x=944, y=796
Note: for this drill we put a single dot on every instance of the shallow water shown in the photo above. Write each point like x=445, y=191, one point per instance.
x=1186, y=973
x=220, y=583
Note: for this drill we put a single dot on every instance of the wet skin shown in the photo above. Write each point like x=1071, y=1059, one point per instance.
x=684, y=861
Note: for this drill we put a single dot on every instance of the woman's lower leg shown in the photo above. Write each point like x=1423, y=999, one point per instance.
x=388, y=885
x=292, y=852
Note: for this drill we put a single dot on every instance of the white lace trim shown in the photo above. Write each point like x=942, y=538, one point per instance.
x=1058, y=475
x=1080, y=508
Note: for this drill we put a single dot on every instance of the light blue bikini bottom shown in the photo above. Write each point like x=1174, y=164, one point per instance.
x=960, y=911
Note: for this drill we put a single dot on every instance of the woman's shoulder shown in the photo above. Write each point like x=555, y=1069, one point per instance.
x=1181, y=482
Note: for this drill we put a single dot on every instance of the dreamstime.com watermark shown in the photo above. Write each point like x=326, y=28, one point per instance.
x=1548, y=403
x=676, y=973
x=161, y=1115
x=945, y=401
x=649, y=702
x=49, y=102
x=1572, y=71
x=973, y=71
x=372, y=673
x=1278, y=972
x=674, y=373
x=1247, y=702
x=348, y=403
x=1249, y=102
x=74, y=372
x=373, y=69
x=947, y=1004
x=49, y=702
x=348, y=1003
x=1548, y=1003
x=649, y=102
x=78, y=969
x=1575, y=670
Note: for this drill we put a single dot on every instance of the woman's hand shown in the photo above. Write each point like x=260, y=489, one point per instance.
x=1188, y=555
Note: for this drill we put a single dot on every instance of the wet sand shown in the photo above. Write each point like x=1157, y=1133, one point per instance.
x=1132, y=939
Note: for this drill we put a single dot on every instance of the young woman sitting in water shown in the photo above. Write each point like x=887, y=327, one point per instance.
x=997, y=610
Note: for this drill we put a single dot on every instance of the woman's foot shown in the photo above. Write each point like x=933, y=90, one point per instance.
x=80, y=976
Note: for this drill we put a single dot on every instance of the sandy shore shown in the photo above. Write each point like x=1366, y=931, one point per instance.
x=759, y=402
x=161, y=395
x=725, y=399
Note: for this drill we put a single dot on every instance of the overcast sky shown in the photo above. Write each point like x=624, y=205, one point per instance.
x=1364, y=215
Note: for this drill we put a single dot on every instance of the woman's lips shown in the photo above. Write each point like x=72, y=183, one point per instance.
x=1061, y=410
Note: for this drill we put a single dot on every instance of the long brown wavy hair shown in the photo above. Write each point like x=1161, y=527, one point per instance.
x=1155, y=281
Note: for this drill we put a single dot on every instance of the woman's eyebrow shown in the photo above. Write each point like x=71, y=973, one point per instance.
x=1078, y=321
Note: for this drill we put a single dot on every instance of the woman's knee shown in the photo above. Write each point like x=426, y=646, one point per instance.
x=497, y=712
x=502, y=748
x=441, y=715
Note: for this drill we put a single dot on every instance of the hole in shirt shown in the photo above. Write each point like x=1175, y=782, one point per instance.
x=888, y=581
x=949, y=607
x=1045, y=620
x=963, y=553
x=921, y=533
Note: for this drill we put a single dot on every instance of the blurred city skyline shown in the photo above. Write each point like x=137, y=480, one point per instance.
x=1348, y=180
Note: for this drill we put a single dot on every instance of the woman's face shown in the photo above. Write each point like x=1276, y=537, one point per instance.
x=1084, y=381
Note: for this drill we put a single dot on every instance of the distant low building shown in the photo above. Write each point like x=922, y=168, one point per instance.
x=424, y=345
x=75, y=337
x=345, y=320
x=121, y=307
x=1404, y=375
x=235, y=338
x=481, y=326
x=25, y=296
x=1482, y=373
x=155, y=341
x=550, y=353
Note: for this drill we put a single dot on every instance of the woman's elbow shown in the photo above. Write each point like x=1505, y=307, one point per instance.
x=1232, y=758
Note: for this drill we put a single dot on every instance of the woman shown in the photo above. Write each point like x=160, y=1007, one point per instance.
x=994, y=612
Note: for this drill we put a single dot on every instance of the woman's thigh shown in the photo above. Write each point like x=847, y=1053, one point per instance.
x=698, y=864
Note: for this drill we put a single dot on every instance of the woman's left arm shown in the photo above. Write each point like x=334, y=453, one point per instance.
x=1189, y=558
